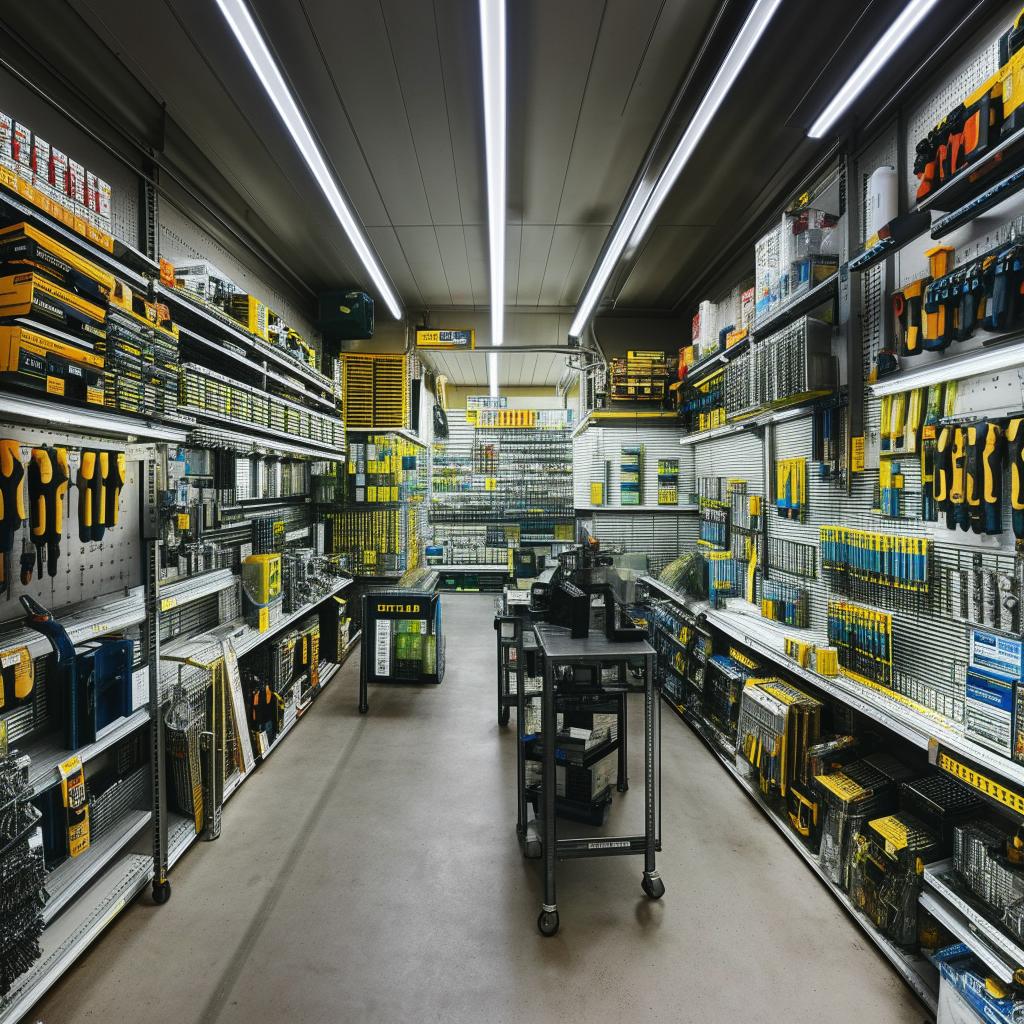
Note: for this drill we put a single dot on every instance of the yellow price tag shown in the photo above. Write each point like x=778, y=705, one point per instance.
x=857, y=454
x=168, y=603
x=184, y=520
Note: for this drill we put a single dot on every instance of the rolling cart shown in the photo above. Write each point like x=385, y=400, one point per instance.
x=579, y=668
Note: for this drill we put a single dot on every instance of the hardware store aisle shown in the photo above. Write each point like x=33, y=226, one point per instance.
x=369, y=872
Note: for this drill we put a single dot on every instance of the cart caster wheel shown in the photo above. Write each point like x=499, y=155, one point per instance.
x=623, y=787
x=363, y=710
x=653, y=886
x=503, y=716
x=161, y=892
x=548, y=922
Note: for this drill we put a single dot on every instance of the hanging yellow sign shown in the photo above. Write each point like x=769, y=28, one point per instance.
x=464, y=339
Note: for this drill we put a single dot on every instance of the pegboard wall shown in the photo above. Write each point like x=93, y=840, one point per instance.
x=26, y=106
x=85, y=571
x=961, y=75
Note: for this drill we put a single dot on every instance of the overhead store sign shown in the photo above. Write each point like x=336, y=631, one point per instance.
x=463, y=339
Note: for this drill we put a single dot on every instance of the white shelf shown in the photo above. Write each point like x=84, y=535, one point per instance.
x=263, y=435
x=16, y=208
x=182, y=592
x=637, y=508
x=49, y=751
x=1008, y=354
x=296, y=386
x=84, y=621
x=960, y=926
x=400, y=431
x=74, y=931
x=237, y=333
x=922, y=728
x=39, y=412
x=918, y=973
x=181, y=834
x=751, y=423
x=69, y=878
x=472, y=567
x=939, y=879
x=244, y=638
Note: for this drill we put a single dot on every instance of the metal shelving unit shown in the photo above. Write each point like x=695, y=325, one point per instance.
x=73, y=931
x=66, y=881
x=47, y=752
x=922, y=728
x=918, y=972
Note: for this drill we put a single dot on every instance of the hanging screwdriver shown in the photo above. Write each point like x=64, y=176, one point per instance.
x=47, y=486
x=90, y=503
x=1015, y=458
x=12, y=506
x=114, y=466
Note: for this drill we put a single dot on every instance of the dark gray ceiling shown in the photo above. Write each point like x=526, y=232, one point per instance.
x=392, y=88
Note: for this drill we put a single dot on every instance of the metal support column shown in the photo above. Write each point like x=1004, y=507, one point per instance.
x=155, y=466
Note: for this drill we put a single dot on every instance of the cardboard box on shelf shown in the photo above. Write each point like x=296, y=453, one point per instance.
x=22, y=151
x=6, y=140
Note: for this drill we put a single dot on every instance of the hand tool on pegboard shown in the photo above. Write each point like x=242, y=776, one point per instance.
x=47, y=487
x=12, y=506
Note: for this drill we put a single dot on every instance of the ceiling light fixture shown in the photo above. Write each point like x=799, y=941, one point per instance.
x=894, y=36
x=643, y=206
x=250, y=39
x=492, y=60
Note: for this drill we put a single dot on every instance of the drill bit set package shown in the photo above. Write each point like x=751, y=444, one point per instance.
x=860, y=792
x=888, y=858
x=981, y=863
x=777, y=723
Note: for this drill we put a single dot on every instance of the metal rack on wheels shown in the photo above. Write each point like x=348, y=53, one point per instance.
x=595, y=655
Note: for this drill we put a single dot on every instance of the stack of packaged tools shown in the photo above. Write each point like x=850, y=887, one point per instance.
x=21, y=874
x=142, y=355
x=860, y=792
x=983, y=120
x=777, y=723
x=981, y=862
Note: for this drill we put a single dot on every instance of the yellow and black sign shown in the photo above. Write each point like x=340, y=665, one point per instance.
x=400, y=609
x=464, y=339
x=981, y=783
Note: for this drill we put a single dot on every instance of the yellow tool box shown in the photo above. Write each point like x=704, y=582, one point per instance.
x=251, y=313
x=33, y=295
x=25, y=247
x=57, y=367
x=261, y=577
x=261, y=587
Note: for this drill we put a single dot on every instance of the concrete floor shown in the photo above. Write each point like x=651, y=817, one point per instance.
x=368, y=871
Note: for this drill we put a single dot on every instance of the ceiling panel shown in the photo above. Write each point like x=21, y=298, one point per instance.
x=536, y=243
x=420, y=247
x=451, y=240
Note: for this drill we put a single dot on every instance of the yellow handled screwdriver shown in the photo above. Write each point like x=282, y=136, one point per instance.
x=12, y=505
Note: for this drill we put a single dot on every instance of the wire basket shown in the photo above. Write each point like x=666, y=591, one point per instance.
x=185, y=721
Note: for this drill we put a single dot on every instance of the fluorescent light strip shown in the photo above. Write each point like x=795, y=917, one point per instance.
x=250, y=39
x=895, y=35
x=642, y=208
x=492, y=55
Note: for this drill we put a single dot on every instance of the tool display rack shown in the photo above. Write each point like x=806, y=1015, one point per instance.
x=377, y=539
x=515, y=482
x=383, y=613
x=127, y=585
